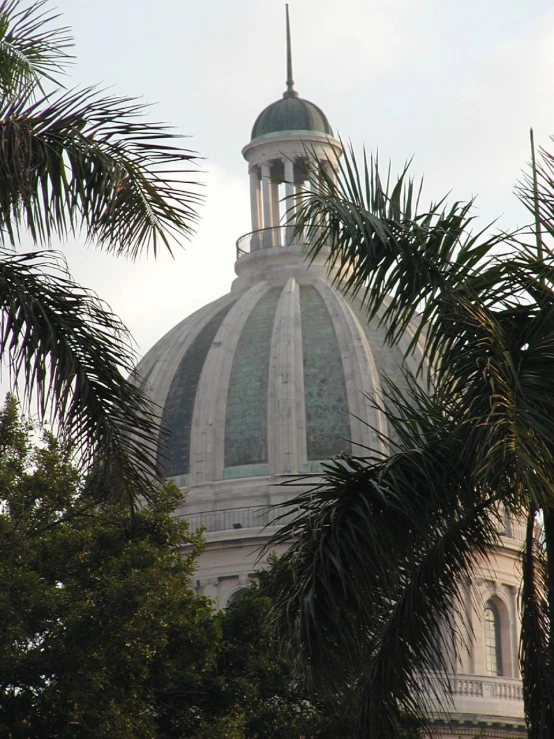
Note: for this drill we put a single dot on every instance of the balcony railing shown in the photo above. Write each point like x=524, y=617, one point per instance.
x=478, y=697
x=513, y=529
x=270, y=238
x=229, y=519
x=257, y=517
x=486, y=687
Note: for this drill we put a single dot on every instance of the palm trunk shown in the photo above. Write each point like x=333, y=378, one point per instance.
x=549, y=542
x=538, y=690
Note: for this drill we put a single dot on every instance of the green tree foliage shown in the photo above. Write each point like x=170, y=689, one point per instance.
x=260, y=687
x=79, y=162
x=369, y=592
x=260, y=692
x=101, y=633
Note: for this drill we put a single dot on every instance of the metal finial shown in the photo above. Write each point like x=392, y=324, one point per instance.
x=290, y=92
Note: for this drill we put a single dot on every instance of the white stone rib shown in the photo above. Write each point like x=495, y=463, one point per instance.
x=286, y=413
x=207, y=445
x=360, y=371
x=166, y=355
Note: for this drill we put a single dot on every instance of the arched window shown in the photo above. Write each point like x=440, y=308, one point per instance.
x=237, y=596
x=493, y=644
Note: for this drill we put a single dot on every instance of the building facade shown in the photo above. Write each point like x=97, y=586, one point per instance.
x=274, y=378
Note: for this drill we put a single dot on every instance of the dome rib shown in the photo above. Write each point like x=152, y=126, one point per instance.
x=286, y=433
x=207, y=441
x=179, y=404
x=160, y=363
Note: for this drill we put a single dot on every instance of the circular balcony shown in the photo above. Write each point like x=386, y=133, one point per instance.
x=271, y=238
x=487, y=700
x=259, y=517
x=247, y=517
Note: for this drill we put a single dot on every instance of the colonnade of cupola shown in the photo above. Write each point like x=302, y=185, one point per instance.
x=275, y=185
x=291, y=147
x=281, y=170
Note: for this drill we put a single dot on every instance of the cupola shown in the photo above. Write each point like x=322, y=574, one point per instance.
x=292, y=143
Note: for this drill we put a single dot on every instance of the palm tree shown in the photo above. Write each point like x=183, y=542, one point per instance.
x=369, y=592
x=79, y=162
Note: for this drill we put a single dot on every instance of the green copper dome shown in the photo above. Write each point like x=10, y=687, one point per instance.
x=291, y=113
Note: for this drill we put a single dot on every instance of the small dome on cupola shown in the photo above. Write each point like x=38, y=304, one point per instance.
x=291, y=114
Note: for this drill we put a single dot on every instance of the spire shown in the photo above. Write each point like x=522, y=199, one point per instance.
x=290, y=91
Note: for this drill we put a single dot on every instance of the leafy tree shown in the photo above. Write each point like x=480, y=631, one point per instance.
x=263, y=689
x=260, y=686
x=78, y=162
x=101, y=634
x=369, y=592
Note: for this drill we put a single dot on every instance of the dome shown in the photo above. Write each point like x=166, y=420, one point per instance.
x=291, y=114
x=271, y=379
x=280, y=375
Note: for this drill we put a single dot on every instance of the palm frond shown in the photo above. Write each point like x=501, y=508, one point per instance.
x=536, y=190
x=69, y=354
x=370, y=593
x=32, y=49
x=362, y=584
x=383, y=244
x=496, y=364
x=369, y=588
x=422, y=635
x=82, y=161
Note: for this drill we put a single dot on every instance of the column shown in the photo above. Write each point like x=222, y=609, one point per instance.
x=301, y=237
x=276, y=215
x=331, y=179
x=330, y=171
x=255, y=197
x=290, y=205
x=266, y=197
x=315, y=188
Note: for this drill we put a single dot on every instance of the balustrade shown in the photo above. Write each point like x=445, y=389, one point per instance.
x=269, y=238
x=486, y=687
x=229, y=519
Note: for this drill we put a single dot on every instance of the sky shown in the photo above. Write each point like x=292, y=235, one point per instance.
x=456, y=85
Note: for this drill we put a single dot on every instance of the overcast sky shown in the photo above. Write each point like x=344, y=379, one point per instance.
x=455, y=84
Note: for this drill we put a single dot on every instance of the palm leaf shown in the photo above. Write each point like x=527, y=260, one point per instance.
x=369, y=589
x=421, y=636
x=496, y=364
x=68, y=354
x=486, y=346
x=383, y=244
x=486, y=322
x=32, y=49
x=83, y=161
x=536, y=191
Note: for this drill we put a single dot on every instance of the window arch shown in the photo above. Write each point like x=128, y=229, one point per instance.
x=493, y=639
x=236, y=596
